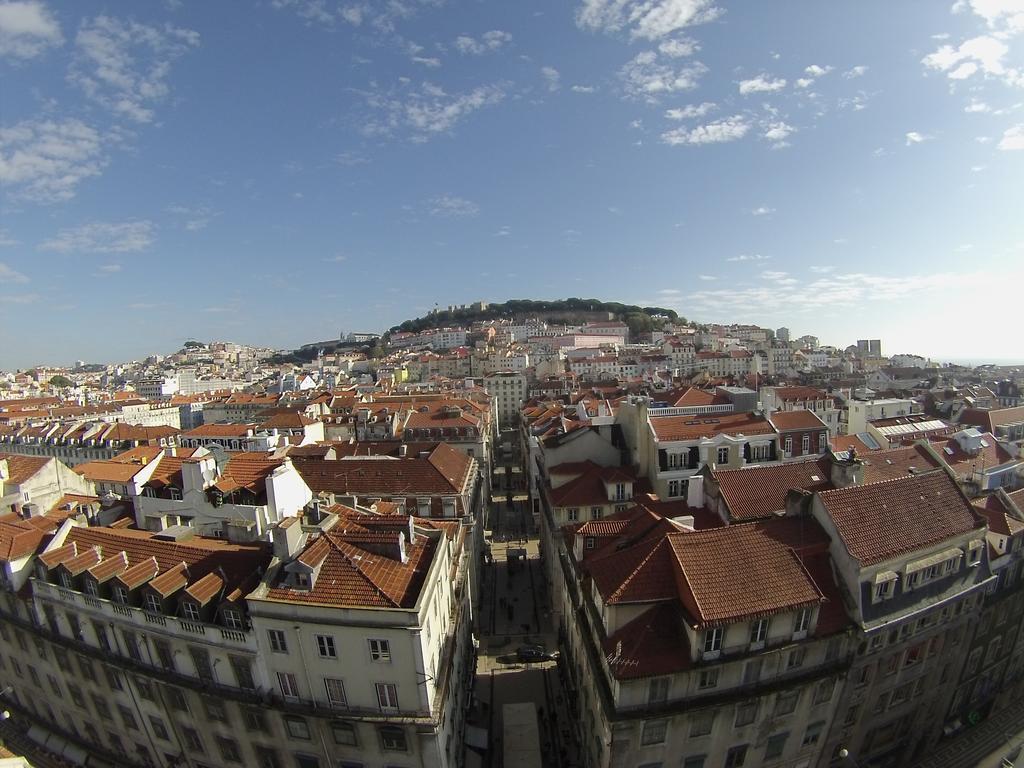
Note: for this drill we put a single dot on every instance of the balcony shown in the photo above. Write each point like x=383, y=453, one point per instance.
x=236, y=639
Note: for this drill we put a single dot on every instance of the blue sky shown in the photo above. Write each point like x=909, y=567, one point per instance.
x=278, y=174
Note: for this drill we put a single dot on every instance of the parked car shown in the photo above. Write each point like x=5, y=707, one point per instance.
x=531, y=653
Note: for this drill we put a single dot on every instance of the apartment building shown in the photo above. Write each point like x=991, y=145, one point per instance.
x=150, y=654
x=508, y=388
x=676, y=655
x=911, y=559
x=34, y=484
x=802, y=398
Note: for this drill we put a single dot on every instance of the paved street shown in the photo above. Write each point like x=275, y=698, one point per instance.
x=513, y=613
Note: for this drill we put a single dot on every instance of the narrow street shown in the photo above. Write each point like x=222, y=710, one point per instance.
x=514, y=613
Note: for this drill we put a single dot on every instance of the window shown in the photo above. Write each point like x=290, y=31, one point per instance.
x=803, y=621
x=788, y=445
x=914, y=655
x=654, y=732
x=307, y=761
x=86, y=668
x=758, y=632
x=752, y=671
x=266, y=757
x=131, y=644
x=215, y=710
x=201, y=661
x=785, y=703
x=657, y=690
x=254, y=720
x=723, y=455
x=193, y=740
x=795, y=660
x=746, y=713
x=289, y=687
x=127, y=718
x=232, y=619
x=152, y=602
x=243, y=672
x=164, y=654
x=76, y=695
x=883, y=590
x=190, y=611
x=595, y=513
x=736, y=756
x=113, y=679
x=380, y=650
x=120, y=594
x=159, y=729
x=673, y=488
x=297, y=727
x=325, y=646
x=776, y=746
x=695, y=761
x=823, y=692
x=100, y=705
x=708, y=678
x=805, y=444
x=145, y=688
x=176, y=699
x=101, y=636
x=573, y=514
x=387, y=695
x=335, y=692
x=345, y=733
x=713, y=640
x=278, y=643
x=393, y=739
x=229, y=749
x=813, y=733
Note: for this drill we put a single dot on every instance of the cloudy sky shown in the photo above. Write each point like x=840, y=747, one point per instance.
x=176, y=170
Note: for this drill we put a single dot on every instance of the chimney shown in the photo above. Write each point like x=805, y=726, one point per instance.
x=695, y=491
x=287, y=537
x=846, y=469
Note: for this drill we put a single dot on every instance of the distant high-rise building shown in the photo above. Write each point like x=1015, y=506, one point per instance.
x=782, y=334
x=870, y=347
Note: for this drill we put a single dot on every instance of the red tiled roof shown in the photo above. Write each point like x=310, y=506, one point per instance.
x=1002, y=518
x=221, y=430
x=18, y=539
x=589, y=488
x=897, y=462
x=108, y=471
x=964, y=463
x=740, y=572
x=846, y=442
x=677, y=428
x=800, y=394
x=760, y=491
x=886, y=519
x=785, y=421
x=247, y=470
x=350, y=575
x=21, y=468
x=654, y=643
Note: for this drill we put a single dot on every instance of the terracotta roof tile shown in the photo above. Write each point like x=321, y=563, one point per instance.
x=18, y=539
x=21, y=468
x=680, y=428
x=654, y=643
x=897, y=462
x=886, y=519
x=206, y=588
x=760, y=491
x=785, y=421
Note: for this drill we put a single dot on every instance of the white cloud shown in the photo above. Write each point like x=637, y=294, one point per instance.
x=10, y=275
x=804, y=82
x=984, y=53
x=124, y=65
x=762, y=210
x=778, y=132
x=27, y=29
x=853, y=72
x=488, y=42
x=450, y=206
x=690, y=111
x=583, y=89
x=816, y=70
x=1013, y=138
x=914, y=137
x=102, y=237
x=645, y=77
x=426, y=111
x=195, y=219
x=977, y=106
x=679, y=47
x=726, y=129
x=6, y=240
x=1004, y=15
x=310, y=10
x=706, y=278
x=669, y=292
x=44, y=161
x=749, y=257
x=110, y=269
x=761, y=84
x=552, y=78
x=645, y=19
x=353, y=14
x=25, y=298
x=426, y=61
x=821, y=269
x=336, y=259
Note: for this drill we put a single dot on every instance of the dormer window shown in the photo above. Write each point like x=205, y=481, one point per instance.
x=303, y=581
x=758, y=633
x=152, y=602
x=802, y=623
x=620, y=492
x=120, y=594
x=713, y=642
x=974, y=552
x=91, y=587
x=191, y=611
x=66, y=580
x=232, y=618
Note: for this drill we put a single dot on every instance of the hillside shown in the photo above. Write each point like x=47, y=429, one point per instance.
x=639, y=319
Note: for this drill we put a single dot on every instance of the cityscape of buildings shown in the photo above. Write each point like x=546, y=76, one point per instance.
x=693, y=546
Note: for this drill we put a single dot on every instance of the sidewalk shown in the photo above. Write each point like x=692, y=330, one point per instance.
x=982, y=746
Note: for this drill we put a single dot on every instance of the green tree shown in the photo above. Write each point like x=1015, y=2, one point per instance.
x=61, y=382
